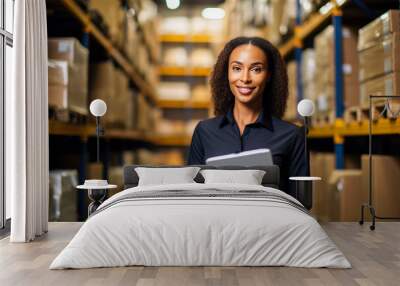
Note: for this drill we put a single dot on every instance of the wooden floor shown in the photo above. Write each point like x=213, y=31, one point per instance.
x=375, y=257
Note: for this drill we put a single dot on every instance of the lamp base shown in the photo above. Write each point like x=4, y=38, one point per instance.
x=97, y=197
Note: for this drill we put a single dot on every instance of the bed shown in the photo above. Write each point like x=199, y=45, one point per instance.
x=201, y=224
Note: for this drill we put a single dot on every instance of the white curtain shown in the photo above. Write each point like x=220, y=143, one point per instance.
x=27, y=124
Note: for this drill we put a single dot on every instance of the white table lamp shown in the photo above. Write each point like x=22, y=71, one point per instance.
x=306, y=109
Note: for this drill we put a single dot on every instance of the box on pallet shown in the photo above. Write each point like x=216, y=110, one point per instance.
x=385, y=182
x=382, y=58
x=385, y=85
x=346, y=195
x=372, y=33
x=68, y=83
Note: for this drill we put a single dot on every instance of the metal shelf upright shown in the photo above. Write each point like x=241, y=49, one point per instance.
x=339, y=105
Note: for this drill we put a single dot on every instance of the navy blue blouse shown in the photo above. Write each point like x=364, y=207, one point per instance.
x=221, y=135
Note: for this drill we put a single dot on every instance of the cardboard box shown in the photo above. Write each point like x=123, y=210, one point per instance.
x=384, y=85
x=175, y=25
x=67, y=86
x=58, y=96
x=308, y=66
x=176, y=56
x=381, y=58
x=57, y=72
x=69, y=50
x=347, y=195
x=371, y=34
x=385, y=184
x=201, y=57
x=174, y=90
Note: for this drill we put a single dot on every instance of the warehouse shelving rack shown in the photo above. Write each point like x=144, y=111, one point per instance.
x=130, y=70
x=332, y=10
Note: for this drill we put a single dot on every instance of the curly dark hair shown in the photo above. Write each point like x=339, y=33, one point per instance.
x=276, y=90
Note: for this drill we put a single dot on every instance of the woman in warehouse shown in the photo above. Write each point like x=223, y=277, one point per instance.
x=249, y=86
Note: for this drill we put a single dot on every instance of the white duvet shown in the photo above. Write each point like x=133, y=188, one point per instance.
x=200, y=231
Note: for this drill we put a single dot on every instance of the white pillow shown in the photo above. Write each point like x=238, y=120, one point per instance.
x=248, y=177
x=166, y=176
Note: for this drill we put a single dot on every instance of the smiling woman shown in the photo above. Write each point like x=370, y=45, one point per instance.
x=249, y=87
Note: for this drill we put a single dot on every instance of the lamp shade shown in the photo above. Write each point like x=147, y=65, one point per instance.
x=306, y=107
x=98, y=107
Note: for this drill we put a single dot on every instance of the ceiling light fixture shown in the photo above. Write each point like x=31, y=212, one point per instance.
x=173, y=4
x=213, y=13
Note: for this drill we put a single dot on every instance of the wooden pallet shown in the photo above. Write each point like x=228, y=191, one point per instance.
x=323, y=119
x=67, y=116
x=380, y=110
x=361, y=113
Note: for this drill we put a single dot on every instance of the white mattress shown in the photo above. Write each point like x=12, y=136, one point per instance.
x=191, y=231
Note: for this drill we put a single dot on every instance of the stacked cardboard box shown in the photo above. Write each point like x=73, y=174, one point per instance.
x=379, y=55
x=385, y=184
x=68, y=74
x=291, y=109
x=325, y=68
x=112, y=85
x=371, y=34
